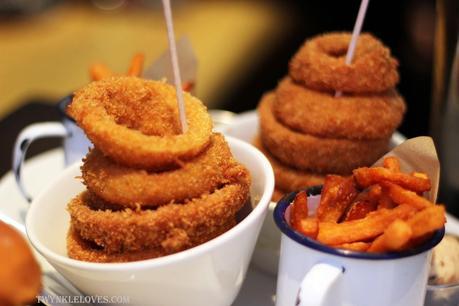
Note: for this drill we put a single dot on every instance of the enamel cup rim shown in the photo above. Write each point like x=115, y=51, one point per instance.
x=282, y=224
x=252, y=217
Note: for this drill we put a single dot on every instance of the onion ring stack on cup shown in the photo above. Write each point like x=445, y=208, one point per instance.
x=151, y=191
x=306, y=132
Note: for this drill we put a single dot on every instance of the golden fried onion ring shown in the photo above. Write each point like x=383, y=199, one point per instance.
x=320, y=64
x=80, y=249
x=310, y=153
x=324, y=115
x=134, y=121
x=129, y=230
x=289, y=179
x=131, y=187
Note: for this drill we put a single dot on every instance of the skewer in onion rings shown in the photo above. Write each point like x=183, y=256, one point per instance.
x=132, y=188
x=352, y=117
x=310, y=153
x=135, y=122
x=78, y=248
x=128, y=230
x=320, y=64
x=289, y=179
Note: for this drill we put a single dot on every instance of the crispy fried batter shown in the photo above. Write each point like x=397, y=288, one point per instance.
x=289, y=179
x=322, y=114
x=80, y=249
x=129, y=230
x=277, y=195
x=130, y=187
x=310, y=153
x=320, y=64
x=135, y=122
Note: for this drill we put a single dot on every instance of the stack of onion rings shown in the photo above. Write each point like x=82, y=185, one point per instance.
x=151, y=191
x=307, y=132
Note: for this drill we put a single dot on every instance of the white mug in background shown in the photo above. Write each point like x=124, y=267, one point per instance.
x=314, y=274
x=75, y=142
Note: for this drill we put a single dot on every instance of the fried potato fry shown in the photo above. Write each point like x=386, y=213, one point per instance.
x=188, y=86
x=394, y=238
x=337, y=194
x=374, y=193
x=369, y=227
x=420, y=175
x=385, y=202
x=354, y=246
x=369, y=176
x=391, y=163
x=360, y=209
x=365, y=202
x=403, y=196
x=299, y=209
x=299, y=218
x=309, y=227
x=428, y=220
x=99, y=71
x=136, y=67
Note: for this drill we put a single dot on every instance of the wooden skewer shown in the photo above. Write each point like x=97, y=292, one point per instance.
x=355, y=35
x=175, y=65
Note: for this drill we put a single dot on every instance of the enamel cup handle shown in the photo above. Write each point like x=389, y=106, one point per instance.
x=316, y=284
x=23, y=141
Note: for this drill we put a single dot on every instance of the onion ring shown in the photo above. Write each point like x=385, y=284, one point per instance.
x=352, y=117
x=320, y=64
x=128, y=230
x=80, y=249
x=310, y=153
x=132, y=188
x=289, y=179
x=134, y=122
x=277, y=195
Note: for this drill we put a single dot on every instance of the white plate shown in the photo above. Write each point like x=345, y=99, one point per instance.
x=266, y=254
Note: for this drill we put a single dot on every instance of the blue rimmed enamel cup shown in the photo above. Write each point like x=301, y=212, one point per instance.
x=311, y=273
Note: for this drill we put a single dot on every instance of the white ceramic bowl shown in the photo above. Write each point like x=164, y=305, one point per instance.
x=209, y=274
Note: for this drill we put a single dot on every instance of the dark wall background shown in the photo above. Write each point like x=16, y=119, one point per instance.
x=407, y=27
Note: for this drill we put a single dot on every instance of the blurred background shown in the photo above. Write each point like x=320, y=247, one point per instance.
x=243, y=49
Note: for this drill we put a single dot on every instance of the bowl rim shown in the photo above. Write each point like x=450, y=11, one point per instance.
x=442, y=286
x=239, y=229
x=282, y=224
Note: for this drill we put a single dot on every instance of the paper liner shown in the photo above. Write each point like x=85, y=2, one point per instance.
x=187, y=60
x=418, y=154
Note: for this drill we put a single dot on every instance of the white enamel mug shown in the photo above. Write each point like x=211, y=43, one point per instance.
x=209, y=274
x=313, y=274
x=75, y=142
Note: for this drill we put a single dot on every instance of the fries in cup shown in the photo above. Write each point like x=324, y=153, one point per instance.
x=377, y=209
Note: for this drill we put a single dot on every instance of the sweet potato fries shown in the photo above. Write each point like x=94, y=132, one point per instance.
x=378, y=209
